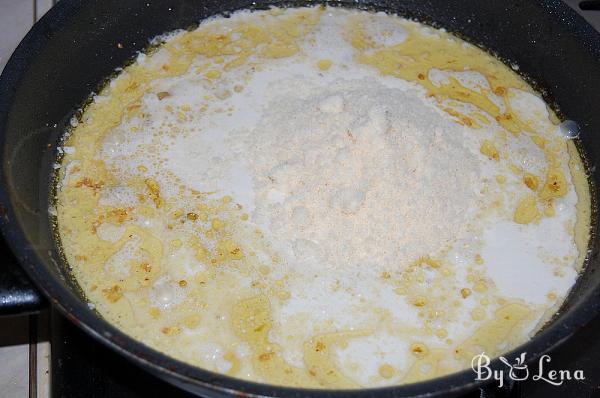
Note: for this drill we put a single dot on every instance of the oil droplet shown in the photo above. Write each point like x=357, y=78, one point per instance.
x=569, y=129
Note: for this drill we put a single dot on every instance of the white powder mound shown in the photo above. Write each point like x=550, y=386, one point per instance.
x=357, y=174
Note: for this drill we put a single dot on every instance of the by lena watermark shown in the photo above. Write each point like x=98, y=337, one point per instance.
x=520, y=371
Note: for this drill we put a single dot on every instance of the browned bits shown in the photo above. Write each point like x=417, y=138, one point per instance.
x=113, y=294
x=132, y=86
x=419, y=301
x=421, y=76
x=419, y=349
x=236, y=252
x=119, y=215
x=162, y=95
x=465, y=292
x=555, y=185
x=319, y=346
x=531, y=181
x=192, y=216
x=467, y=121
x=266, y=356
x=154, y=189
x=500, y=91
x=171, y=330
x=134, y=107
x=183, y=283
x=89, y=183
x=146, y=267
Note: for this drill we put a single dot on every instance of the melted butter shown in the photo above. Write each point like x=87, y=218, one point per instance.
x=493, y=332
x=426, y=367
x=414, y=58
x=252, y=323
x=318, y=357
x=409, y=61
x=145, y=273
x=276, y=39
x=584, y=203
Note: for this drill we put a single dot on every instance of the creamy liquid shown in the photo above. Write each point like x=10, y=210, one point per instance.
x=323, y=198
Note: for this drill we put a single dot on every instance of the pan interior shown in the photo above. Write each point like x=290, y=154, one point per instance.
x=172, y=192
x=40, y=79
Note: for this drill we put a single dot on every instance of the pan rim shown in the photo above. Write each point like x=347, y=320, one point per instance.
x=182, y=373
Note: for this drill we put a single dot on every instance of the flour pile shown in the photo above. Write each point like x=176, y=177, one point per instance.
x=356, y=173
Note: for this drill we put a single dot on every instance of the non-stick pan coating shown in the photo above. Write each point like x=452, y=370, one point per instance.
x=75, y=48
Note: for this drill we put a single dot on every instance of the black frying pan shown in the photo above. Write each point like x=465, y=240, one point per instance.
x=73, y=50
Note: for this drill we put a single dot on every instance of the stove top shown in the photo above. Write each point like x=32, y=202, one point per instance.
x=82, y=367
